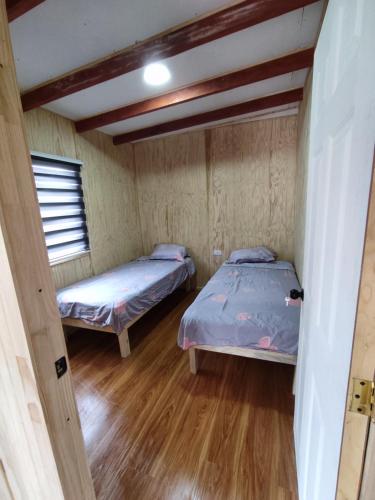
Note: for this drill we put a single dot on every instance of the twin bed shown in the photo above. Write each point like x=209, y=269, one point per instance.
x=113, y=301
x=244, y=309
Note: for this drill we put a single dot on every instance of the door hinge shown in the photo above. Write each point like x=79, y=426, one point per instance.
x=363, y=397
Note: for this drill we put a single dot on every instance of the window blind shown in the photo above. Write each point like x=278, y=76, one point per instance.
x=59, y=188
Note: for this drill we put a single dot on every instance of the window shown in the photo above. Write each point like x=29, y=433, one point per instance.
x=59, y=187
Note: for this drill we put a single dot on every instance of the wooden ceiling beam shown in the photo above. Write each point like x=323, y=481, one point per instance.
x=179, y=39
x=17, y=8
x=282, y=65
x=243, y=108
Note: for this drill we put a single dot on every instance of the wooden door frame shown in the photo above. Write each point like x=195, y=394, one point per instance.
x=368, y=477
x=356, y=426
x=27, y=465
x=35, y=312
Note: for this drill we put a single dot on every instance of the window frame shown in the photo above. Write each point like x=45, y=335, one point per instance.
x=80, y=164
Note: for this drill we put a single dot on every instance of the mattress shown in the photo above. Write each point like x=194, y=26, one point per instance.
x=245, y=305
x=118, y=296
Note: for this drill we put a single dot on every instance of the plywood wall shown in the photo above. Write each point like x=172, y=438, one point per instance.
x=224, y=188
x=109, y=189
x=172, y=194
x=251, y=186
x=301, y=177
x=111, y=200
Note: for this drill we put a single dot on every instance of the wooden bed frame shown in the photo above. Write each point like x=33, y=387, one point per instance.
x=123, y=337
x=278, y=357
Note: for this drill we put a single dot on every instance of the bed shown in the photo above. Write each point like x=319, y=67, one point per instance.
x=245, y=310
x=115, y=300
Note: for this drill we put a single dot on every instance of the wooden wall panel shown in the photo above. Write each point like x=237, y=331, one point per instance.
x=68, y=272
x=222, y=188
x=111, y=201
x=172, y=194
x=50, y=133
x=251, y=189
x=301, y=175
x=283, y=166
x=108, y=179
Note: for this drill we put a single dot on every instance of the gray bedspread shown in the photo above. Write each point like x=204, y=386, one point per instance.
x=118, y=296
x=244, y=305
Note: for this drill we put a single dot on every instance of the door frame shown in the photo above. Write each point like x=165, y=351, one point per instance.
x=27, y=464
x=368, y=478
x=35, y=313
x=356, y=426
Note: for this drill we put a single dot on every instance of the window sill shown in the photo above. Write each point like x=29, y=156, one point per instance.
x=68, y=258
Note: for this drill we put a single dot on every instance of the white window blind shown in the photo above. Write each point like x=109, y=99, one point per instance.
x=59, y=187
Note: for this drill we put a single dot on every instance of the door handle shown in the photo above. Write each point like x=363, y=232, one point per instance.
x=296, y=294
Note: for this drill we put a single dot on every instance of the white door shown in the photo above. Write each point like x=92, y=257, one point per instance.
x=340, y=162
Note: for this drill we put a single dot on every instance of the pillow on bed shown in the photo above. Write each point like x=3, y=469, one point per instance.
x=256, y=254
x=169, y=251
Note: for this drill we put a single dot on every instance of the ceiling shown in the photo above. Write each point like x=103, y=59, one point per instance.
x=59, y=36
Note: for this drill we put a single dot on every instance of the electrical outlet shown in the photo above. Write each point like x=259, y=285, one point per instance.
x=217, y=252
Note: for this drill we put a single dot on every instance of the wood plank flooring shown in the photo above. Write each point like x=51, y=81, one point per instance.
x=154, y=431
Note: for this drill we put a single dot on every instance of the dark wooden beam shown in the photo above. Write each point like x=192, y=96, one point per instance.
x=243, y=108
x=269, y=69
x=175, y=41
x=17, y=8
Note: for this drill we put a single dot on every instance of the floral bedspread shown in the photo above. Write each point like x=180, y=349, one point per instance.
x=116, y=297
x=245, y=305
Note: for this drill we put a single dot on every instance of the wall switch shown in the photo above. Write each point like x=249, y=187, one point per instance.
x=217, y=253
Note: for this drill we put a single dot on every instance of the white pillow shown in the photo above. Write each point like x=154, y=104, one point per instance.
x=256, y=254
x=168, y=251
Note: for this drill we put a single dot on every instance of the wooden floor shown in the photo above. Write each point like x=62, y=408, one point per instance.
x=154, y=431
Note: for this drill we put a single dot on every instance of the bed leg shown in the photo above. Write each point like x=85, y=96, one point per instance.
x=193, y=359
x=123, y=340
x=190, y=283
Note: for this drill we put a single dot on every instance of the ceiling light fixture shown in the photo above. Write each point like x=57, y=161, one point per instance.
x=156, y=74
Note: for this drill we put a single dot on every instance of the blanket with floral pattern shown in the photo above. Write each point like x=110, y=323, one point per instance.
x=116, y=297
x=245, y=305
